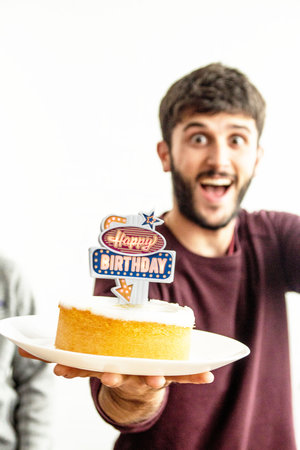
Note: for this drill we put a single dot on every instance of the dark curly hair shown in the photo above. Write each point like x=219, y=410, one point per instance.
x=211, y=89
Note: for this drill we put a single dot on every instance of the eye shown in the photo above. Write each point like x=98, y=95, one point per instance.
x=199, y=139
x=237, y=140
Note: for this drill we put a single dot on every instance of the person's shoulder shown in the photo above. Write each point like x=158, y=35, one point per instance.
x=15, y=291
x=8, y=266
x=265, y=215
x=264, y=220
x=9, y=276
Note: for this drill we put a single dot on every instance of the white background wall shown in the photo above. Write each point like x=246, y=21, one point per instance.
x=80, y=84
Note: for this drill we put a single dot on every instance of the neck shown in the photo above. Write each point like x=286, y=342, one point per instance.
x=208, y=243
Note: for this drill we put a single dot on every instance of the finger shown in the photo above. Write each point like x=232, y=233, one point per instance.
x=113, y=379
x=73, y=372
x=65, y=371
x=25, y=354
x=156, y=382
x=29, y=355
x=198, y=378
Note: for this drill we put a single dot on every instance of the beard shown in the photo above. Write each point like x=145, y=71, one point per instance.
x=184, y=196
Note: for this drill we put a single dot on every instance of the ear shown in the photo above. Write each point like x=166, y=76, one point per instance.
x=164, y=155
x=259, y=155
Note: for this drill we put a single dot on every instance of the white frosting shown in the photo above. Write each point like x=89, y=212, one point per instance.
x=152, y=311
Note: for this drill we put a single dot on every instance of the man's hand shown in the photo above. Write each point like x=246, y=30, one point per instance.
x=116, y=380
x=128, y=399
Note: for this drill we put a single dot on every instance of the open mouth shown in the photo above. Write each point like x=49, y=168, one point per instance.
x=216, y=187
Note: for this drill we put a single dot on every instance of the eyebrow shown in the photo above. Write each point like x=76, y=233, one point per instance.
x=194, y=124
x=203, y=125
x=240, y=127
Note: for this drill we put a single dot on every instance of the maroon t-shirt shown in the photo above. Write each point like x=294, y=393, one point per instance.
x=248, y=407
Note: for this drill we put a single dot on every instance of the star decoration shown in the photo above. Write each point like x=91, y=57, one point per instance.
x=151, y=221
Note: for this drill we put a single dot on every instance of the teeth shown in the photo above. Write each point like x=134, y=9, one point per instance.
x=216, y=181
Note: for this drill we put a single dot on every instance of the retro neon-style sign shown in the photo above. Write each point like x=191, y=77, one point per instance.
x=132, y=253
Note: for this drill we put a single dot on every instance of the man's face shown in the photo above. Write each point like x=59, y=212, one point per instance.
x=213, y=160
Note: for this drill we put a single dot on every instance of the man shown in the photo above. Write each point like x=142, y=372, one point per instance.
x=233, y=268
x=25, y=386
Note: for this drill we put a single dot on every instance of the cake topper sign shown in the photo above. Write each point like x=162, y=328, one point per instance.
x=132, y=253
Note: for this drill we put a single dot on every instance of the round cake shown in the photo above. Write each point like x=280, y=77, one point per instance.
x=102, y=326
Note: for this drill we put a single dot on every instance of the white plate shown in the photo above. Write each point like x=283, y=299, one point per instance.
x=36, y=335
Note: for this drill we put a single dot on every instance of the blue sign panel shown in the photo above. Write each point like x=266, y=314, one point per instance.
x=156, y=267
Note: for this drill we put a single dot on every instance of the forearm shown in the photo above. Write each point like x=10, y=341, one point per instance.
x=127, y=409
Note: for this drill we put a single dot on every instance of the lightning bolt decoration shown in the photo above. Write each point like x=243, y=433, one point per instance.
x=122, y=290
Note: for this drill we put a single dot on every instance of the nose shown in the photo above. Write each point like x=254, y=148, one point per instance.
x=218, y=155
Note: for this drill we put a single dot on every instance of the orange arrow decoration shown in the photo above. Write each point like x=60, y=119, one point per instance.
x=123, y=291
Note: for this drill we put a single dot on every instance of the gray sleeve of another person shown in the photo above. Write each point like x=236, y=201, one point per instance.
x=26, y=386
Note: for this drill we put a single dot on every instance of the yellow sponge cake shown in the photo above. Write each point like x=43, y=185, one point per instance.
x=103, y=326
